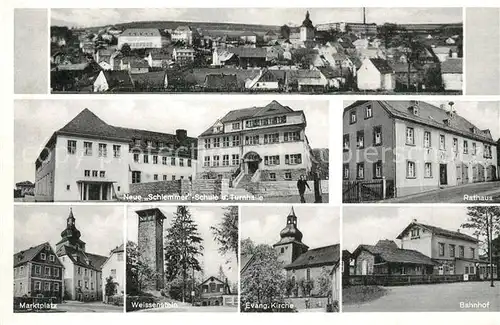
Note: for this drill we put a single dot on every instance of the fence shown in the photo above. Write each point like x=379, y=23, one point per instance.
x=366, y=191
x=401, y=280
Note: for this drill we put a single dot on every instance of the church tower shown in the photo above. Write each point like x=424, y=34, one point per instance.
x=150, y=244
x=290, y=245
x=71, y=235
x=307, y=29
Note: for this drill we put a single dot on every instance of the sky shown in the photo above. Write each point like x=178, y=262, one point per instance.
x=484, y=114
x=367, y=225
x=44, y=117
x=319, y=225
x=265, y=16
x=101, y=227
x=205, y=217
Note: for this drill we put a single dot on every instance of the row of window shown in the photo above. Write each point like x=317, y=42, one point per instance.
x=293, y=159
x=265, y=121
x=234, y=141
x=85, y=271
x=136, y=177
x=48, y=271
x=288, y=176
x=88, y=147
x=164, y=160
x=452, y=250
x=101, y=173
x=360, y=138
x=46, y=286
x=360, y=170
x=368, y=114
x=86, y=284
x=215, y=160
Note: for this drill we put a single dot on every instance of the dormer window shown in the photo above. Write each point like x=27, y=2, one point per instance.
x=415, y=233
x=415, y=110
x=42, y=256
x=446, y=122
x=137, y=142
x=473, y=130
x=149, y=143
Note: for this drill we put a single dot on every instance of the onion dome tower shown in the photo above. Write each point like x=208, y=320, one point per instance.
x=290, y=246
x=71, y=235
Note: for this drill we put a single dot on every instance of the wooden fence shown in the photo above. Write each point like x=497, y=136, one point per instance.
x=366, y=191
x=401, y=280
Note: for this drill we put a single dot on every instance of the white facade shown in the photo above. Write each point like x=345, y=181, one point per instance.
x=370, y=78
x=182, y=34
x=114, y=267
x=452, y=81
x=142, y=42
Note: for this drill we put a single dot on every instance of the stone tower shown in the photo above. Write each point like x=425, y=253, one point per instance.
x=71, y=235
x=150, y=244
x=307, y=29
x=290, y=245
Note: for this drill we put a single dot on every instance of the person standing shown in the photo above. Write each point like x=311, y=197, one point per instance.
x=301, y=186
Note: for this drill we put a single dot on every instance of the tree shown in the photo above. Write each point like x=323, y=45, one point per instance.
x=432, y=78
x=387, y=31
x=324, y=282
x=138, y=269
x=110, y=287
x=226, y=232
x=263, y=282
x=412, y=49
x=485, y=221
x=285, y=31
x=126, y=50
x=184, y=246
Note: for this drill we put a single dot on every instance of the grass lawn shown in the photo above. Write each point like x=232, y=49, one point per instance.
x=361, y=294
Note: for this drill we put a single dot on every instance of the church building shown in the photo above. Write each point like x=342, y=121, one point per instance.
x=307, y=29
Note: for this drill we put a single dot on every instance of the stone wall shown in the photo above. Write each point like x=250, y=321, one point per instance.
x=280, y=174
x=162, y=187
x=314, y=302
x=281, y=188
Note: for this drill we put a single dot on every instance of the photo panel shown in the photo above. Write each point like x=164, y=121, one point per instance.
x=420, y=259
x=290, y=259
x=76, y=264
x=182, y=258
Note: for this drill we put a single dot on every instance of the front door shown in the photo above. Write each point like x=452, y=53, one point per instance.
x=443, y=174
x=94, y=192
x=252, y=166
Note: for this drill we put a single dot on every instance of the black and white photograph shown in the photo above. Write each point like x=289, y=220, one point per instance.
x=412, y=151
x=290, y=259
x=421, y=259
x=145, y=150
x=257, y=50
x=69, y=259
x=182, y=259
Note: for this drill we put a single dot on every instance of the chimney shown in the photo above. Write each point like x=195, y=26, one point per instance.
x=181, y=135
x=414, y=220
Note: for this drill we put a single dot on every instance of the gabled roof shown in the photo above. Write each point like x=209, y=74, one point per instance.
x=395, y=255
x=212, y=278
x=80, y=258
x=25, y=183
x=452, y=65
x=141, y=32
x=382, y=65
x=439, y=232
x=97, y=260
x=118, y=78
x=327, y=255
x=27, y=255
x=154, y=79
x=166, y=138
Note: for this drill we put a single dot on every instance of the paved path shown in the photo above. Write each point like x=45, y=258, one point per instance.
x=88, y=307
x=193, y=309
x=454, y=194
x=433, y=298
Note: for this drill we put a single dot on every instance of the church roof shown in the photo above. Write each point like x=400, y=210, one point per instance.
x=322, y=256
x=307, y=21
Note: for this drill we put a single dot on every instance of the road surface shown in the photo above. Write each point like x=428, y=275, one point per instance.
x=442, y=297
x=455, y=194
x=88, y=307
x=192, y=309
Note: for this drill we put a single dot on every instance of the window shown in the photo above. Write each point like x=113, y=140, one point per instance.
x=455, y=145
x=466, y=147
x=377, y=136
x=91, y=285
x=415, y=233
x=250, y=140
x=56, y=286
x=442, y=143
x=46, y=270
x=149, y=143
x=87, y=173
x=164, y=177
x=56, y=272
x=46, y=286
x=117, y=151
x=79, y=283
x=189, y=162
x=288, y=176
x=345, y=171
x=427, y=139
x=377, y=169
x=472, y=253
x=172, y=161
x=294, y=159
x=206, y=161
x=136, y=177
x=487, y=151
x=216, y=161
x=103, y=150
x=71, y=147
x=86, y=284
x=353, y=117
x=21, y=270
x=225, y=160
x=410, y=136
x=85, y=272
x=235, y=160
x=272, y=176
x=236, y=126
x=146, y=159
x=102, y=174
x=441, y=249
x=155, y=159
x=38, y=285
x=137, y=142
x=181, y=162
x=216, y=142
x=207, y=143
x=136, y=157
x=94, y=173
x=271, y=160
x=346, y=142
x=43, y=257
x=155, y=177
x=461, y=251
x=428, y=170
x=360, y=171
x=236, y=140
x=38, y=269
x=410, y=169
x=272, y=138
x=291, y=136
x=452, y=250
x=368, y=111
x=173, y=177
x=164, y=160
x=225, y=141
x=474, y=148
x=360, y=139
x=87, y=148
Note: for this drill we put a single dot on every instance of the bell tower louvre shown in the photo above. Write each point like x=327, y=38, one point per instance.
x=71, y=235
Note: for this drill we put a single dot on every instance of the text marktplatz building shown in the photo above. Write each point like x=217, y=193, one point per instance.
x=414, y=146
x=90, y=160
x=82, y=270
x=150, y=245
x=266, y=143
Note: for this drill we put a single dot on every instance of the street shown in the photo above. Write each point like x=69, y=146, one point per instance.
x=455, y=194
x=193, y=309
x=88, y=307
x=443, y=297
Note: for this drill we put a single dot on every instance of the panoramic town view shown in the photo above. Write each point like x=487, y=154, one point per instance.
x=421, y=259
x=285, y=50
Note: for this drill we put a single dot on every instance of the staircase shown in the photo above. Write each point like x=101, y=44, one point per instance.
x=244, y=181
x=240, y=189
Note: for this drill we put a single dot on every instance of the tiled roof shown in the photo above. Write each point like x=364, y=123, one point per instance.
x=155, y=79
x=328, y=255
x=27, y=255
x=141, y=32
x=396, y=255
x=440, y=232
x=382, y=65
x=452, y=65
x=118, y=78
x=79, y=257
x=25, y=183
x=331, y=73
x=97, y=260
